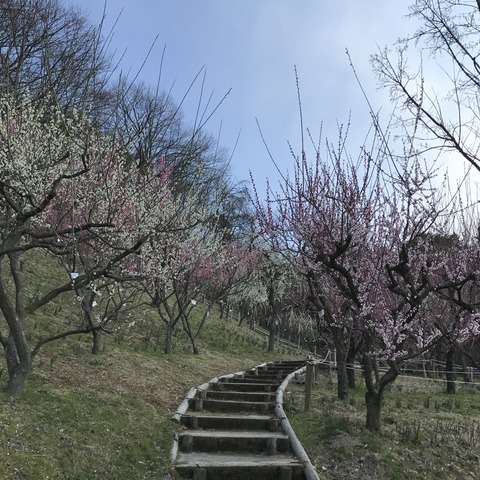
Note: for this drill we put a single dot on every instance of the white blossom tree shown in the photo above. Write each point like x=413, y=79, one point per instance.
x=66, y=190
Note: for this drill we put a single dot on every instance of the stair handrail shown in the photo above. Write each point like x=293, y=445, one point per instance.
x=297, y=447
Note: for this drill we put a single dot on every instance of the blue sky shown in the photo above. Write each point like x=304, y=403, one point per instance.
x=251, y=47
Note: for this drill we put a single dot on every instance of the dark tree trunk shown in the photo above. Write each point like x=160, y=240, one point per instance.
x=376, y=369
x=19, y=369
x=242, y=317
x=11, y=357
x=97, y=342
x=272, y=334
x=17, y=352
x=466, y=369
x=351, y=368
x=375, y=391
x=342, y=377
x=373, y=402
x=87, y=320
x=450, y=371
x=167, y=347
x=18, y=381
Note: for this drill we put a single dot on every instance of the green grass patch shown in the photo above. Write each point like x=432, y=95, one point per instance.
x=108, y=416
x=80, y=433
x=426, y=433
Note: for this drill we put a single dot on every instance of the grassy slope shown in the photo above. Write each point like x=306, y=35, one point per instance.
x=108, y=416
x=105, y=417
x=425, y=434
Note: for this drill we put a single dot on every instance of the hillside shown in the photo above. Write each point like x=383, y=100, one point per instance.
x=426, y=433
x=108, y=416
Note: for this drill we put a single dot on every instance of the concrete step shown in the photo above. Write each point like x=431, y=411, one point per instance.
x=254, y=441
x=290, y=363
x=231, y=422
x=198, y=405
x=282, y=368
x=245, y=387
x=265, y=377
x=241, y=396
x=250, y=379
x=201, y=466
x=268, y=371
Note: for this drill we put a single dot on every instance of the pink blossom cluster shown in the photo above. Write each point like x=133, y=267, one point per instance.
x=377, y=248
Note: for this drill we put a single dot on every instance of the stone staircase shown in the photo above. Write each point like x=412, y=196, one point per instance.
x=232, y=431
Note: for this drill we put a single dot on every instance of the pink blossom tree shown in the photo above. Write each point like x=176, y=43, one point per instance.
x=170, y=280
x=360, y=232
x=197, y=267
x=315, y=220
x=142, y=207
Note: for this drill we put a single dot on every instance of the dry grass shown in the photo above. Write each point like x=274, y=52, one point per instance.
x=87, y=417
x=426, y=433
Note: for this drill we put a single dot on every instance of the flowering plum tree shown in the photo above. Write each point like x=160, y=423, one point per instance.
x=320, y=220
x=171, y=280
x=65, y=189
x=196, y=266
x=360, y=234
x=221, y=274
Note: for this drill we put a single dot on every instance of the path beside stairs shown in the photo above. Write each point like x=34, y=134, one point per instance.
x=231, y=430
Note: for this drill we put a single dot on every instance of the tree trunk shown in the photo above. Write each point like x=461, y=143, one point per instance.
x=87, y=319
x=11, y=357
x=450, y=371
x=272, y=334
x=373, y=402
x=167, y=347
x=466, y=370
x=17, y=351
x=19, y=370
x=375, y=391
x=342, y=377
x=97, y=342
x=376, y=369
x=351, y=368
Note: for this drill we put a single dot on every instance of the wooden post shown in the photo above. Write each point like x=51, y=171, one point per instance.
x=308, y=385
x=285, y=473
x=187, y=443
x=199, y=473
x=198, y=405
x=271, y=446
